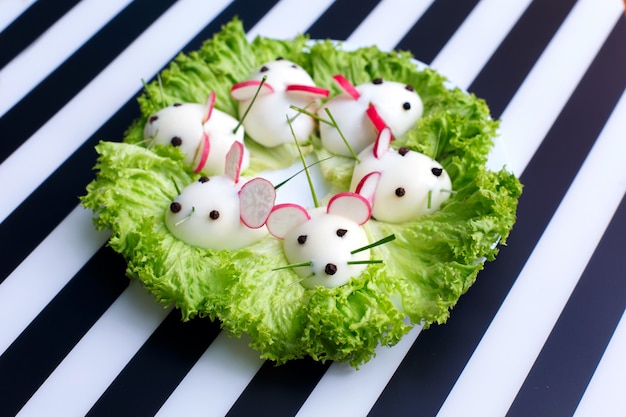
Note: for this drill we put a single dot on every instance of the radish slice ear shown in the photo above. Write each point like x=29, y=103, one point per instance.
x=205, y=147
x=347, y=86
x=381, y=146
x=308, y=90
x=256, y=201
x=247, y=89
x=208, y=107
x=234, y=158
x=367, y=186
x=285, y=217
x=350, y=205
x=374, y=116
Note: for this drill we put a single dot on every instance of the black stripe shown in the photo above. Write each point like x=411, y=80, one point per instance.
x=571, y=354
x=279, y=390
x=422, y=378
x=31, y=358
x=519, y=51
x=21, y=121
x=435, y=28
x=30, y=25
x=341, y=19
x=157, y=368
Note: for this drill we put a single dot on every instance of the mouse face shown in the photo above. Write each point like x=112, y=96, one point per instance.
x=204, y=134
x=286, y=84
x=223, y=211
x=401, y=185
x=324, y=239
x=362, y=111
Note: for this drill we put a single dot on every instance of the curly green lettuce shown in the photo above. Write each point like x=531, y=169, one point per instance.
x=431, y=263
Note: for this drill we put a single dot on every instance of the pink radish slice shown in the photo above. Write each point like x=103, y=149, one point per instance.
x=285, y=217
x=347, y=86
x=374, y=116
x=208, y=107
x=247, y=89
x=234, y=159
x=350, y=205
x=206, y=146
x=308, y=90
x=256, y=201
x=367, y=186
x=381, y=146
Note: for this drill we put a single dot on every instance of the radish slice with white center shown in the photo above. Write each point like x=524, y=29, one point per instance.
x=381, y=146
x=208, y=107
x=256, y=201
x=234, y=159
x=247, y=89
x=308, y=90
x=367, y=186
x=285, y=217
x=347, y=86
x=205, y=146
x=376, y=119
x=351, y=206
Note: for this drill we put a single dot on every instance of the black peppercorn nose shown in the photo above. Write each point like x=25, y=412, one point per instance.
x=330, y=269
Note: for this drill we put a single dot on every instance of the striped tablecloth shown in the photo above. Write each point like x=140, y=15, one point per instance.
x=541, y=333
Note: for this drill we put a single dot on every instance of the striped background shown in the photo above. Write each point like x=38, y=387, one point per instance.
x=541, y=333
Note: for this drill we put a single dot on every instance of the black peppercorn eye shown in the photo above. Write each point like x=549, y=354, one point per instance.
x=153, y=119
x=175, y=207
x=280, y=58
x=377, y=81
x=264, y=69
x=214, y=215
x=403, y=151
x=302, y=239
x=176, y=141
x=203, y=179
x=409, y=87
x=176, y=104
x=400, y=192
x=341, y=232
x=406, y=105
x=330, y=269
x=436, y=171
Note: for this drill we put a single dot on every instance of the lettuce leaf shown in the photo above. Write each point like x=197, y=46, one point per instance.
x=432, y=262
x=133, y=189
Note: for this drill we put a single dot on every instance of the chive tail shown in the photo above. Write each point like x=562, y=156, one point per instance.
x=251, y=103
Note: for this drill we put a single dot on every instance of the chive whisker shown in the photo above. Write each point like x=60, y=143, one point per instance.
x=308, y=113
x=184, y=219
x=377, y=243
x=366, y=262
x=345, y=141
x=276, y=187
x=251, y=103
x=291, y=266
x=306, y=169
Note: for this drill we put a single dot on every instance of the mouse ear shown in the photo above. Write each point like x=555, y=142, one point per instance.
x=376, y=118
x=256, y=201
x=208, y=107
x=346, y=86
x=350, y=205
x=202, y=153
x=307, y=91
x=367, y=186
x=285, y=217
x=247, y=89
x=381, y=145
x=234, y=159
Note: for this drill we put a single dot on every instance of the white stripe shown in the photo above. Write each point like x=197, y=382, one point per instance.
x=90, y=108
x=47, y=269
x=11, y=10
x=497, y=369
x=86, y=372
x=53, y=47
x=289, y=18
x=388, y=22
x=546, y=89
x=605, y=394
x=476, y=40
x=344, y=391
x=216, y=381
